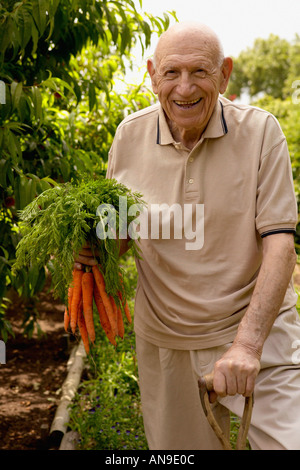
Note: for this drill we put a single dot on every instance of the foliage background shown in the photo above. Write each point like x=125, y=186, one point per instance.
x=59, y=60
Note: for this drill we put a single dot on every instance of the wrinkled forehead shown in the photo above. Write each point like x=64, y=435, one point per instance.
x=186, y=62
x=188, y=45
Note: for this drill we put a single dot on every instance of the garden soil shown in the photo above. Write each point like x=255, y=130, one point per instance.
x=31, y=379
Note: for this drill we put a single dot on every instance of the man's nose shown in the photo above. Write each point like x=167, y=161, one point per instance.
x=185, y=85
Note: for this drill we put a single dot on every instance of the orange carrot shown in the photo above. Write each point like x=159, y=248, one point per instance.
x=83, y=329
x=99, y=280
x=87, y=299
x=126, y=308
x=124, y=302
x=127, y=312
x=104, y=320
x=68, y=309
x=121, y=329
x=76, y=298
x=115, y=312
x=118, y=314
x=66, y=319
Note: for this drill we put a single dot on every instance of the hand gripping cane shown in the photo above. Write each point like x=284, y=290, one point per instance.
x=205, y=386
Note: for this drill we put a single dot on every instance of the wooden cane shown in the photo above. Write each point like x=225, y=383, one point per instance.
x=205, y=386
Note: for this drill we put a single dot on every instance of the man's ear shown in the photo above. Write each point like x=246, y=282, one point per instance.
x=226, y=72
x=152, y=73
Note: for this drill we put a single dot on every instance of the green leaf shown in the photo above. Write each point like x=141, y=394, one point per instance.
x=52, y=10
x=24, y=22
x=92, y=96
x=25, y=191
x=6, y=36
x=16, y=92
x=4, y=166
x=6, y=253
x=13, y=144
x=57, y=84
x=35, y=38
x=37, y=103
x=39, y=8
x=125, y=38
x=1, y=137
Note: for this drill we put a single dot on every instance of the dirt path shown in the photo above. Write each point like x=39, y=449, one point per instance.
x=31, y=379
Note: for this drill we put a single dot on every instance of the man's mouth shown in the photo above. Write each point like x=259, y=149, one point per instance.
x=187, y=104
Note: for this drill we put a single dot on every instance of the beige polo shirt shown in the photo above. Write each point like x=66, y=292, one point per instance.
x=234, y=187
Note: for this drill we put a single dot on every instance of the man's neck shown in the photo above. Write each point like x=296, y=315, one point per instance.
x=188, y=137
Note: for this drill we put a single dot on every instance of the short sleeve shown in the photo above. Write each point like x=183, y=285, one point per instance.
x=109, y=170
x=276, y=205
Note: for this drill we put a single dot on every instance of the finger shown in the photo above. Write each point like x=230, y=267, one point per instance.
x=231, y=384
x=86, y=252
x=86, y=245
x=212, y=396
x=88, y=260
x=249, y=389
x=225, y=384
x=220, y=386
x=78, y=266
x=241, y=383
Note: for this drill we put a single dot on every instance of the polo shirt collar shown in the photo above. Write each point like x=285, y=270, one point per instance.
x=217, y=126
x=163, y=134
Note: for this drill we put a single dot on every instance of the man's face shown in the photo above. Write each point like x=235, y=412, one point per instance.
x=188, y=80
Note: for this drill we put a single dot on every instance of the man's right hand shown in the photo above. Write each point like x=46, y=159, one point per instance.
x=86, y=257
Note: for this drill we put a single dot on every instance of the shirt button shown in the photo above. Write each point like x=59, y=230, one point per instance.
x=191, y=180
x=191, y=159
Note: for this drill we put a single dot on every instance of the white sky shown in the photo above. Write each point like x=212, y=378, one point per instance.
x=237, y=22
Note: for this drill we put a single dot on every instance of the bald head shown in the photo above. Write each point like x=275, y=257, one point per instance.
x=193, y=32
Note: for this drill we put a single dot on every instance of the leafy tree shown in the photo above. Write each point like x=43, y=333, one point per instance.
x=269, y=67
x=59, y=60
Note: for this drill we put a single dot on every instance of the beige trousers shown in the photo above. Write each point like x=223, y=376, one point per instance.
x=172, y=412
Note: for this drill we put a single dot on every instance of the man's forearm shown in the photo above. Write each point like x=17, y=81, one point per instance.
x=279, y=260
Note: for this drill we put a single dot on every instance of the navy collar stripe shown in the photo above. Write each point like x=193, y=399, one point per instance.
x=224, y=124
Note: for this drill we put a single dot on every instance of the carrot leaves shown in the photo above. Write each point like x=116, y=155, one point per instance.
x=62, y=219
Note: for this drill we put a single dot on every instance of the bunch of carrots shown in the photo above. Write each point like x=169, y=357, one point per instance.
x=87, y=286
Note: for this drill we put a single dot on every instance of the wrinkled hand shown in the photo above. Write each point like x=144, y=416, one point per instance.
x=235, y=373
x=85, y=257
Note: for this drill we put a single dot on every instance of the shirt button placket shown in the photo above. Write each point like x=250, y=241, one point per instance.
x=190, y=179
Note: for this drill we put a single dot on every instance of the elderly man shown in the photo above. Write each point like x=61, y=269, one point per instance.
x=226, y=304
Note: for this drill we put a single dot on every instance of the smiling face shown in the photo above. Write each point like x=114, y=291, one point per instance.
x=188, y=76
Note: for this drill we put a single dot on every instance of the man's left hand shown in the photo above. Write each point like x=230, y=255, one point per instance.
x=235, y=372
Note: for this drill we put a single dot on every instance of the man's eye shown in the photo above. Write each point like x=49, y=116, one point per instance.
x=201, y=72
x=170, y=73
